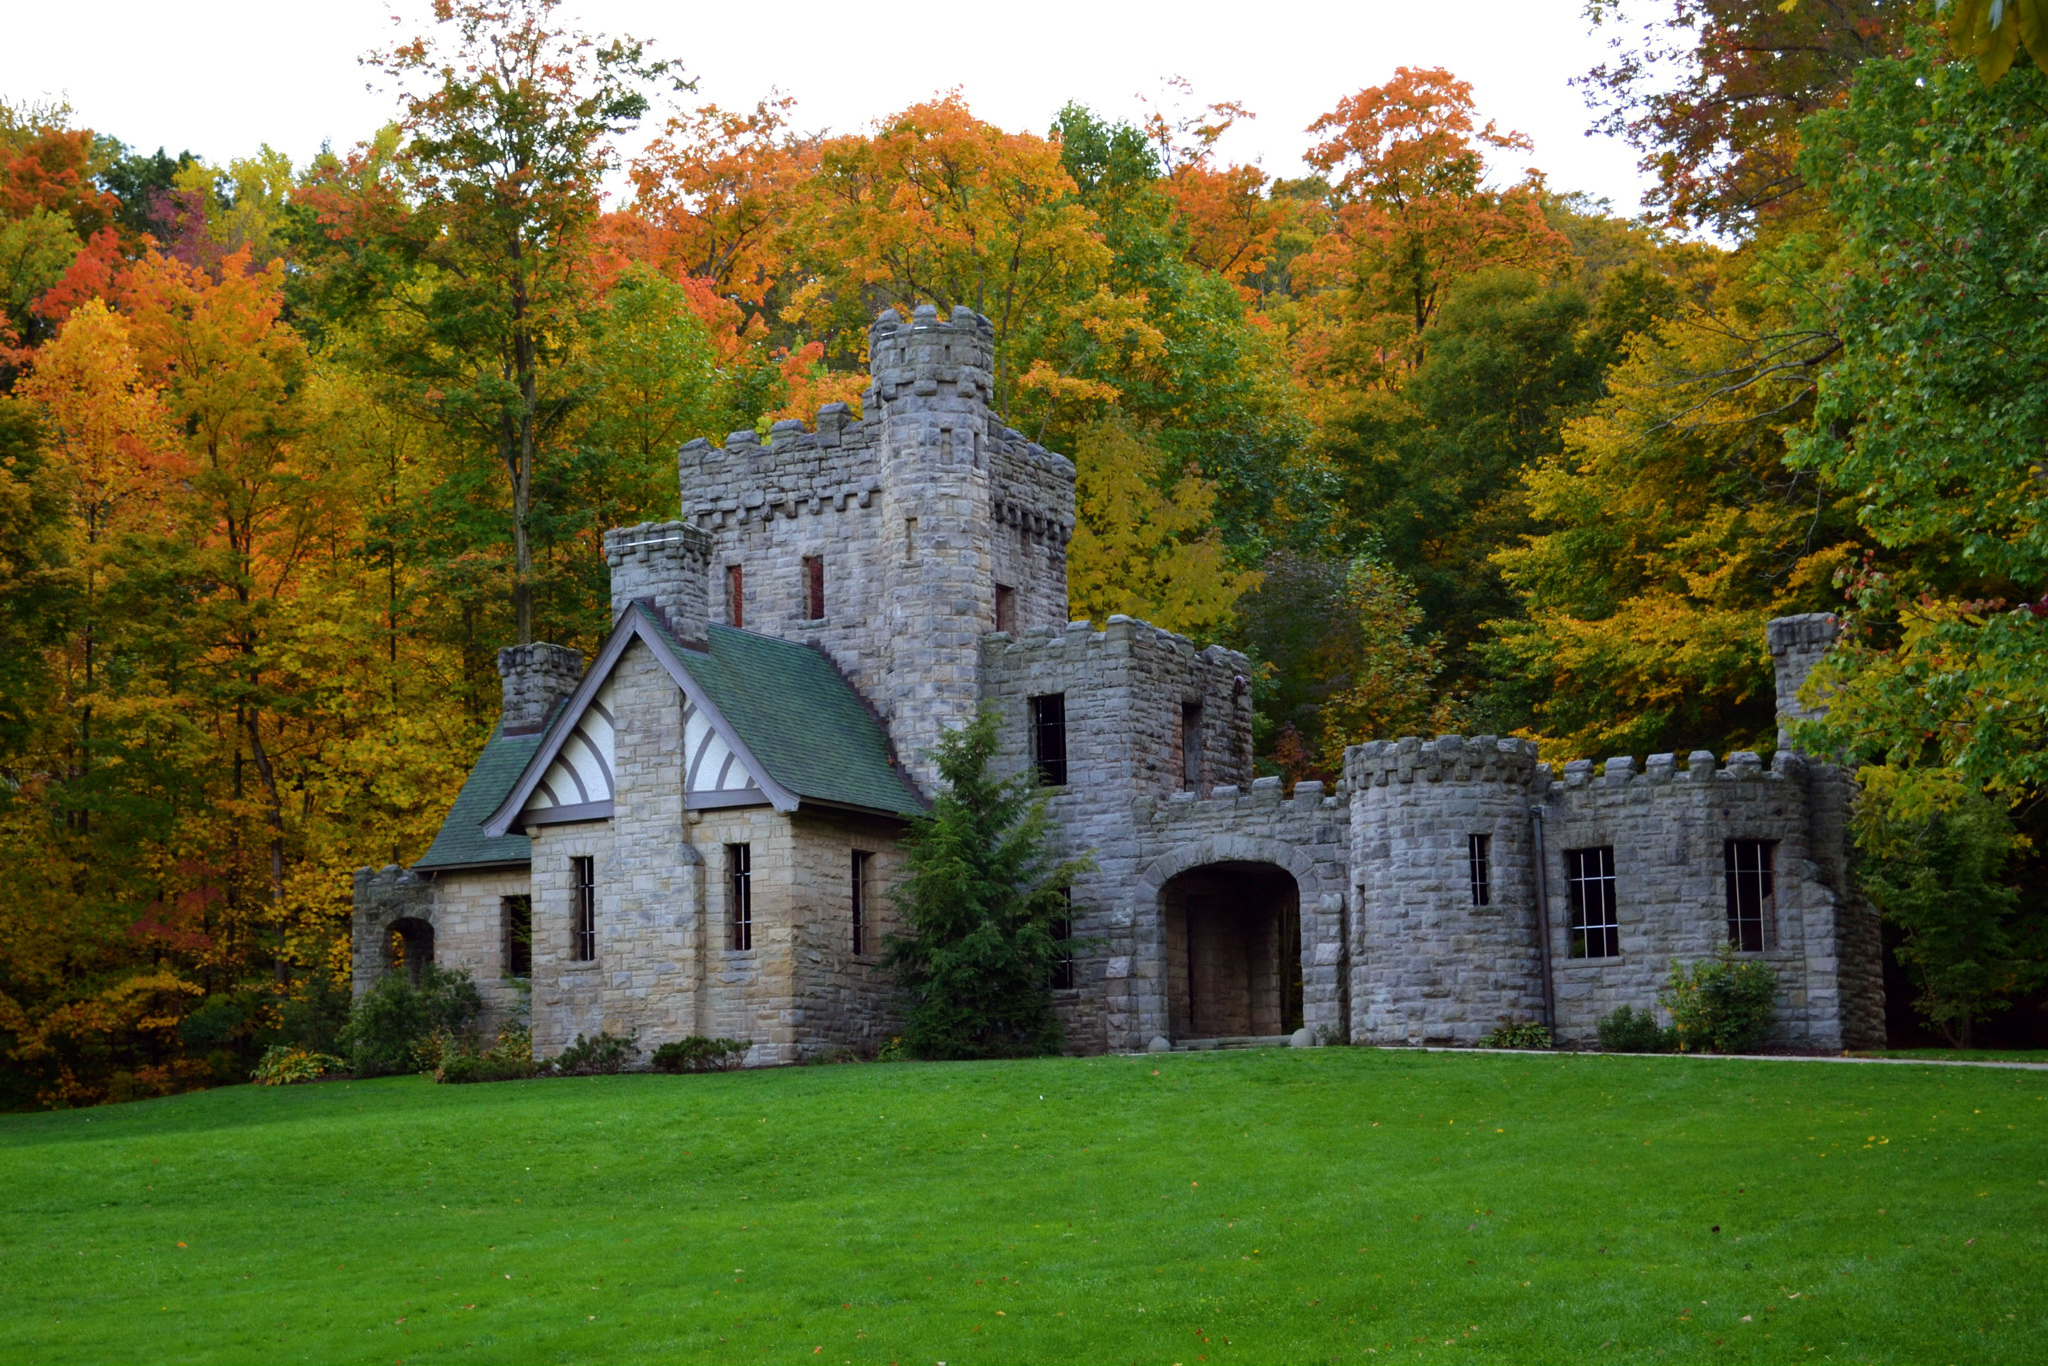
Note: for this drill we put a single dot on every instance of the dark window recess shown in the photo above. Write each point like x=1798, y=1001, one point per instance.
x=1752, y=892
x=1006, y=607
x=1063, y=942
x=1479, y=864
x=739, y=892
x=517, y=912
x=1589, y=877
x=814, y=587
x=863, y=867
x=583, y=909
x=1049, y=738
x=1191, y=745
x=735, y=596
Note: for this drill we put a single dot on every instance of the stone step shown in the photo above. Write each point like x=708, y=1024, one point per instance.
x=1233, y=1041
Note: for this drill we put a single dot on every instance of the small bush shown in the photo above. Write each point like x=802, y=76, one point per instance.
x=469, y=1067
x=896, y=1050
x=510, y=1059
x=1724, y=1005
x=1627, y=1030
x=603, y=1055
x=1528, y=1034
x=283, y=1064
x=699, y=1054
x=393, y=1028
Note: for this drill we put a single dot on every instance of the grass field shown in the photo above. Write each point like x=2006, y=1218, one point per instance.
x=1279, y=1205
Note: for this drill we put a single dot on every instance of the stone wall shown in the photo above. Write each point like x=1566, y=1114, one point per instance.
x=1427, y=964
x=842, y=1000
x=1124, y=688
x=383, y=896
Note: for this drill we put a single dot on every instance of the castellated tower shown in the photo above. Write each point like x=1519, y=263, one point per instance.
x=896, y=540
x=1444, y=947
x=931, y=389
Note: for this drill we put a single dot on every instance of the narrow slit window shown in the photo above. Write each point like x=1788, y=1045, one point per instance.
x=1752, y=892
x=735, y=596
x=1049, y=738
x=814, y=587
x=739, y=876
x=1589, y=879
x=910, y=538
x=1191, y=756
x=1006, y=607
x=517, y=913
x=863, y=933
x=1479, y=864
x=583, y=909
x=1063, y=944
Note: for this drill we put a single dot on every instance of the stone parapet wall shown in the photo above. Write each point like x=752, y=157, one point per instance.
x=383, y=896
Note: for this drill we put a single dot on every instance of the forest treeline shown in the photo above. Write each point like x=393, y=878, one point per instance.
x=287, y=452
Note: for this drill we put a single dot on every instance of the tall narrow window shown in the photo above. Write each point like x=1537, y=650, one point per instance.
x=1589, y=878
x=1049, y=738
x=517, y=914
x=583, y=909
x=814, y=587
x=739, y=893
x=863, y=868
x=1479, y=866
x=910, y=538
x=1006, y=607
x=1191, y=745
x=735, y=596
x=1752, y=892
x=1063, y=944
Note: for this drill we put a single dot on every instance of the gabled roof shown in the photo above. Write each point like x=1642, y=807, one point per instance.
x=800, y=718
x=788, y=715
x=461, y=841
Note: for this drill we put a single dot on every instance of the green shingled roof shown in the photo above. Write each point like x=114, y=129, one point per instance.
x=462, y=842
x=798, y=715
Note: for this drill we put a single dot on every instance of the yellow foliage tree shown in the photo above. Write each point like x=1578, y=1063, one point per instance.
x=1145, y=544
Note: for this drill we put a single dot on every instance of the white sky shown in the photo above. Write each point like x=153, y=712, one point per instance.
x=220, y=76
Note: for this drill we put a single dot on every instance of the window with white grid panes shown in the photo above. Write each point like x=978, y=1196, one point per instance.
x=1589, y=882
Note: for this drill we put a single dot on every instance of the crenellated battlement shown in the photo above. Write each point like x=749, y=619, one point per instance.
x=1119, y=633
x=1447, y=758
x=927, y=358
x=1308, y=795
x=1700, y=767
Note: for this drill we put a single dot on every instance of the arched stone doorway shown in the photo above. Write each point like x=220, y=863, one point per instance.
x=409, y=947
x=1233, y=951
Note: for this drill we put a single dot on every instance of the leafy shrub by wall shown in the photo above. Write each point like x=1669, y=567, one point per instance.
x=1723, y=1005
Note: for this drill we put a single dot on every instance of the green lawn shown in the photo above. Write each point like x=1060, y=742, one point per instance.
x=1959, y=1054
x=1279, y=1205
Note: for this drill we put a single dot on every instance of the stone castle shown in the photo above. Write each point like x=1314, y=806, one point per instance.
x=698, y=833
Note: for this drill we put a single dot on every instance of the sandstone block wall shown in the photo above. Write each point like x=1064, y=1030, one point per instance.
x=534, y=678
x=467, y=911
x=668, y=563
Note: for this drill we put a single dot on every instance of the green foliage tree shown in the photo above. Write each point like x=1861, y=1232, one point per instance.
x=393, y=1019
x=984, y=900
x=1936, y=852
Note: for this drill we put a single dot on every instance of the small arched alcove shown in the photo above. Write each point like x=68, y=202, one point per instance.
x=409, y=947
x=1233, y=951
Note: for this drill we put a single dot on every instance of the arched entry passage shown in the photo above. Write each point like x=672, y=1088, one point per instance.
x=1233, y=951
x=410, y=947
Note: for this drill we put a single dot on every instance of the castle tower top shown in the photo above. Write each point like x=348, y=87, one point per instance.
x=926, y=363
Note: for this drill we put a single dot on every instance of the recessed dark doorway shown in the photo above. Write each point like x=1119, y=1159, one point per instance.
x=1233, y=951
x=410, y=947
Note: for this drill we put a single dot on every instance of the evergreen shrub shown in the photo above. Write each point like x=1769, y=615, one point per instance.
x=395, y=1021
x=699, y=1054
x=1628, y=1030
x=1723, y=1005
x=983, y=902
x=1527, y=1034
x=603, y=1055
